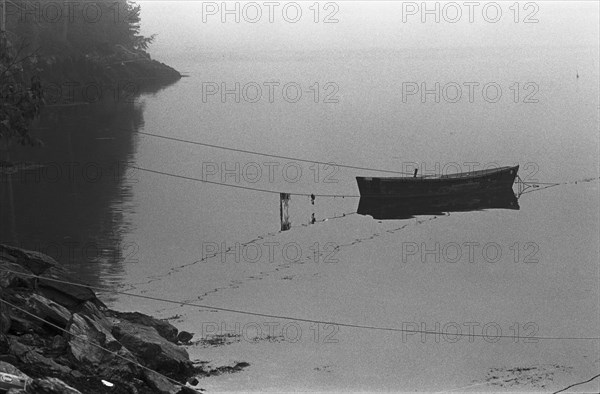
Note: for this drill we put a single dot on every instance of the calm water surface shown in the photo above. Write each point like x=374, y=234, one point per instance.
x=533, y=271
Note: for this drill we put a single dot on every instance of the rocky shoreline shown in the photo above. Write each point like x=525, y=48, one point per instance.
x=60, y=338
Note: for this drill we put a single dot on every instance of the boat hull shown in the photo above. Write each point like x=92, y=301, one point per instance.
x=445, y=185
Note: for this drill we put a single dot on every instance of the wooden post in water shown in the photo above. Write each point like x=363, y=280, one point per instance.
x=284, y=216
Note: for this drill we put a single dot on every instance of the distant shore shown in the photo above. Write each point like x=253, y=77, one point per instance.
x=90, y=77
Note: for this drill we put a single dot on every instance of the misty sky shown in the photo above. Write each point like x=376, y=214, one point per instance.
x=372, y=24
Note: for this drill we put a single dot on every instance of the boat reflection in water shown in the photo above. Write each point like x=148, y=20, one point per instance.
x=386, y=208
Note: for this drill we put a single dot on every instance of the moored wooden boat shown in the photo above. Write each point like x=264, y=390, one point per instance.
x=443, y=185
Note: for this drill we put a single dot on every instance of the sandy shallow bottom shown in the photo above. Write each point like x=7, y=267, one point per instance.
x=373, y=279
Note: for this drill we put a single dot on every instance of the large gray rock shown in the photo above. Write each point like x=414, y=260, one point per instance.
x=22, y=325
x=44, y=308
x=160, y=384
x=91, y=310
x=50, y=386
x=86, y=339
x=184, y=337
x=10, y=279
x=28, y=355
x=19, y=379
x=5, y=321
x=164, y=328
x=35, y=262
x=68, y=295
x=155, y=351
x=11, y=369
x=115, y=362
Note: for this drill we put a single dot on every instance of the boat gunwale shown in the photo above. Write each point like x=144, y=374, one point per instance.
x=458, y=176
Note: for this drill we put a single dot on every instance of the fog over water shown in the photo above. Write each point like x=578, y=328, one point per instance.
x=518, y=273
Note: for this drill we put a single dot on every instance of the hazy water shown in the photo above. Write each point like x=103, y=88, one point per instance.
x=543, y=282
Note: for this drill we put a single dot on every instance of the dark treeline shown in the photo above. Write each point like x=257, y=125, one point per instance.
x=51, y=46
x=75, y=26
